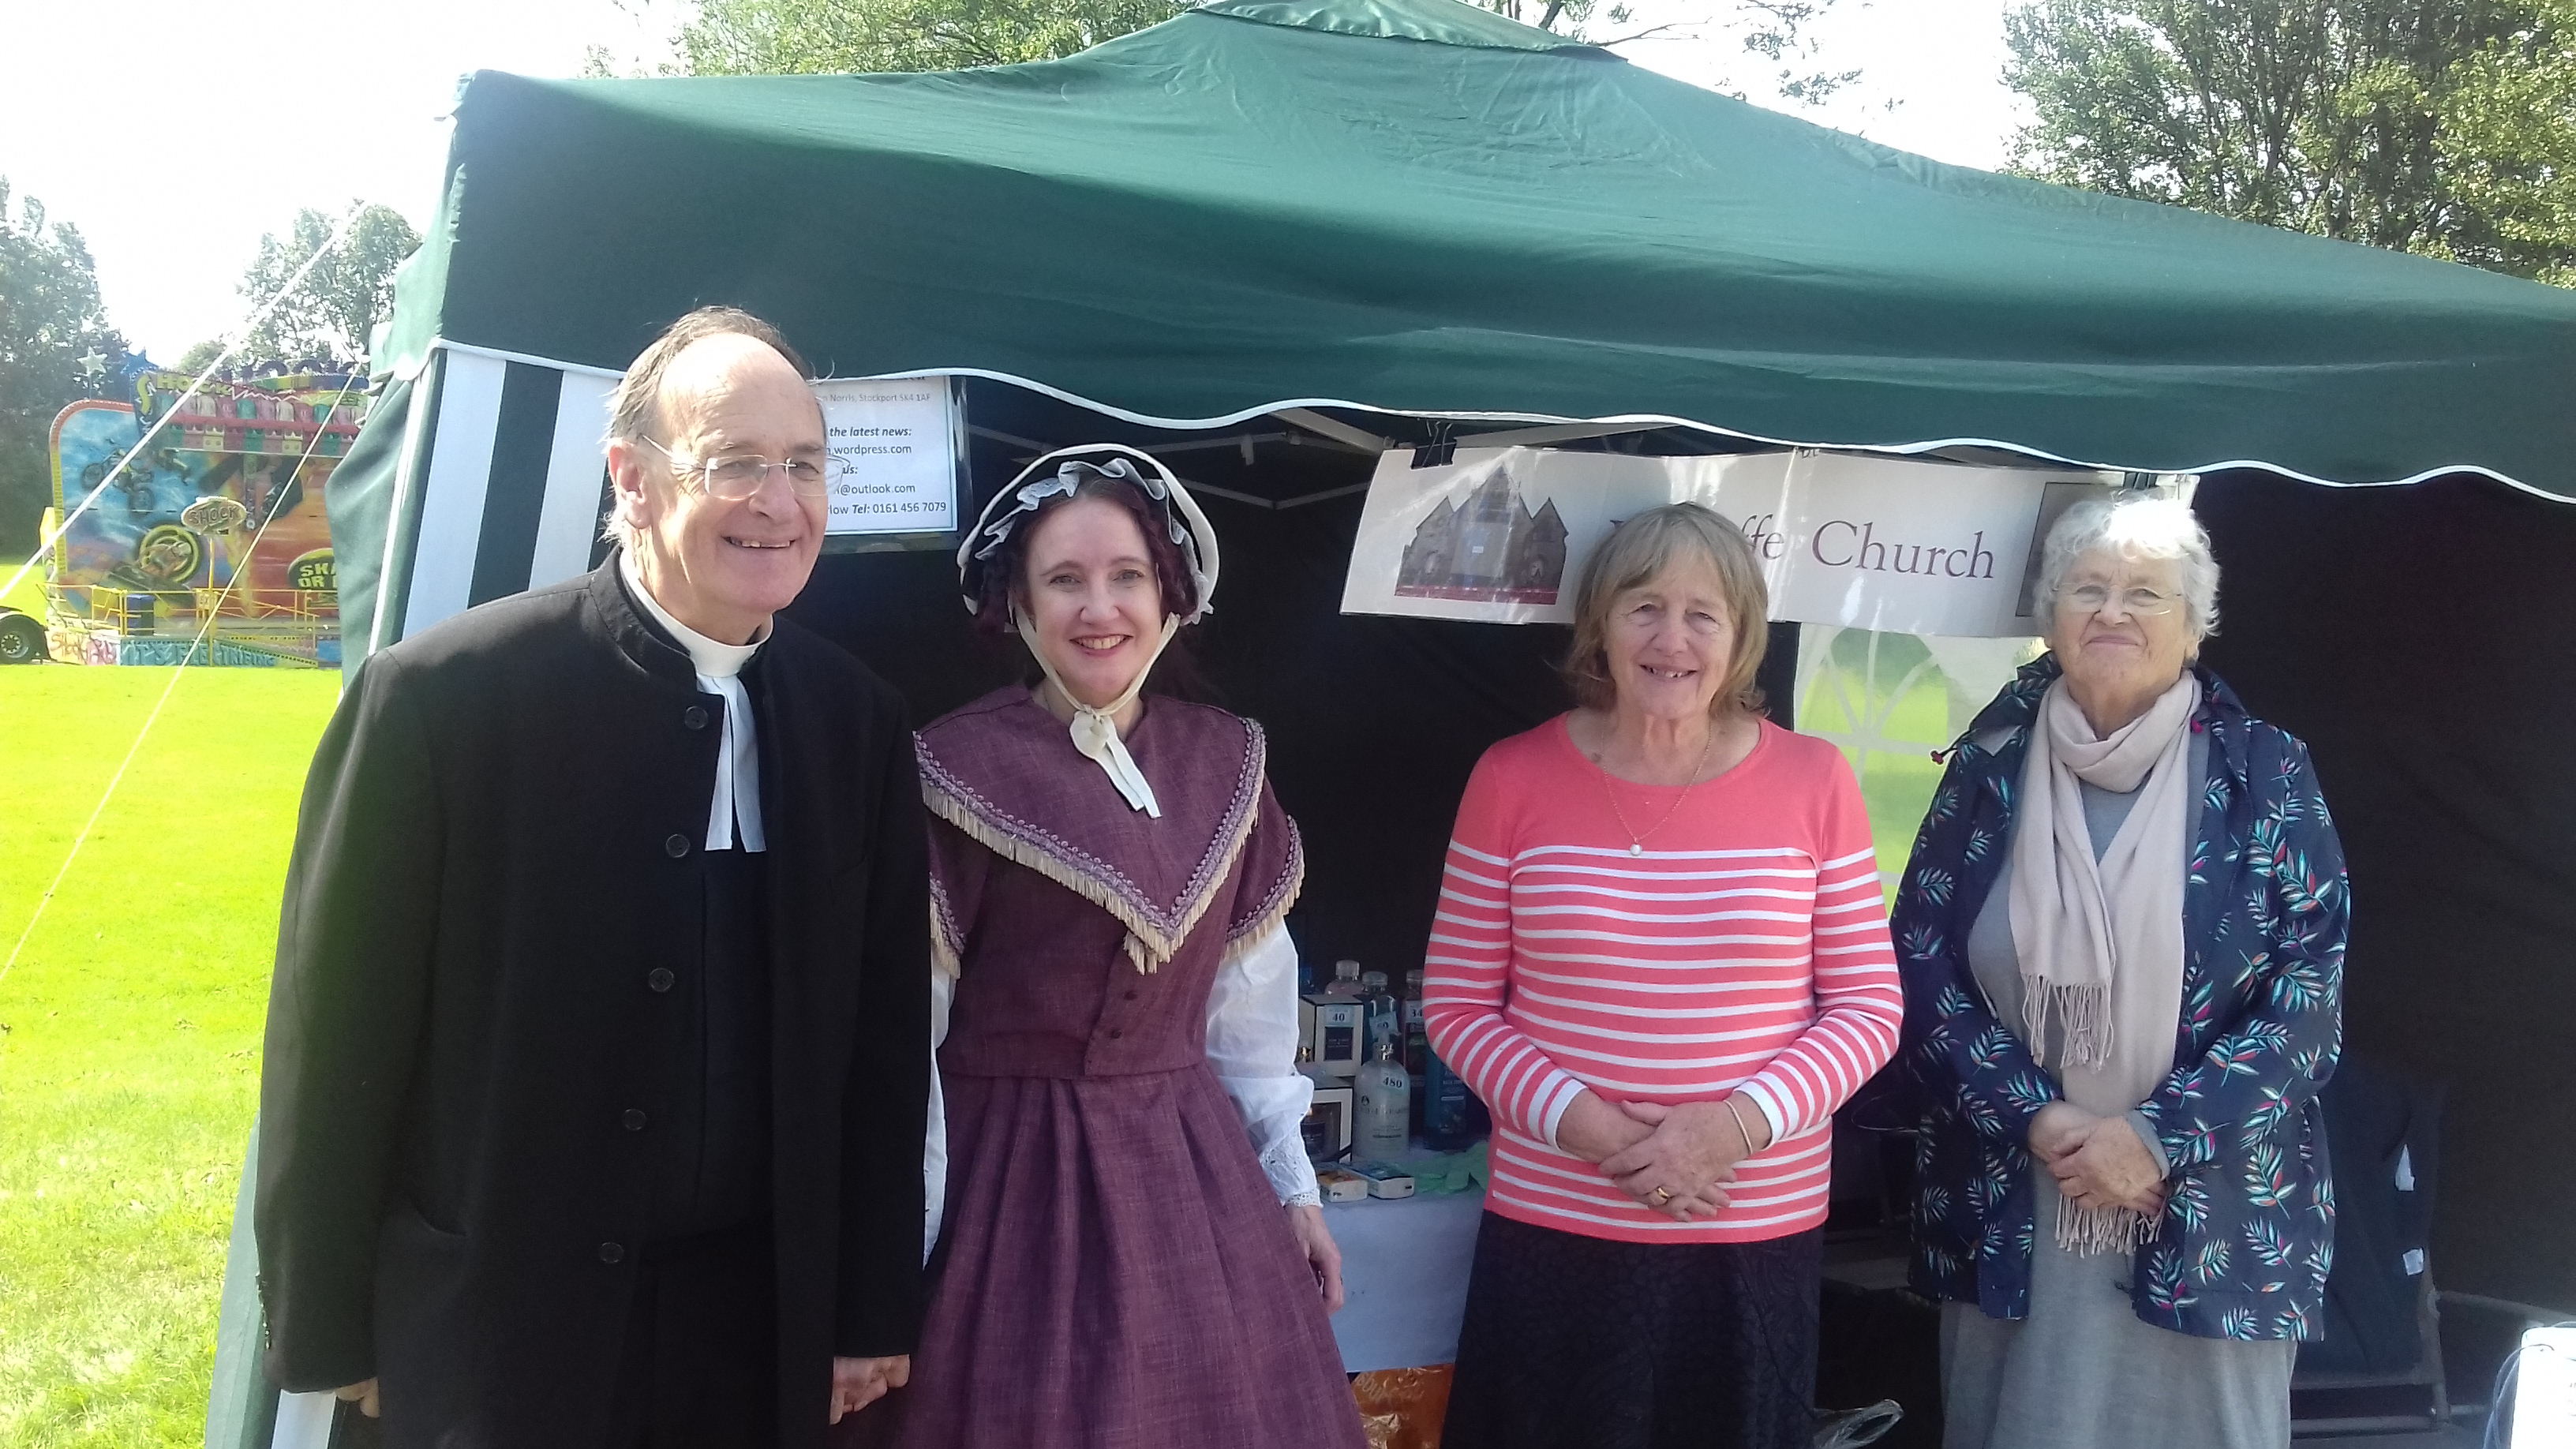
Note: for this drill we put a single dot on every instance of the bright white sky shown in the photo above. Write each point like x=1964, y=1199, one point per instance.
x=175, y=134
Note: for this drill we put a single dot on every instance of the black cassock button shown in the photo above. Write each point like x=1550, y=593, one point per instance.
x=660, y=978
x=676, y=846
x=695, y=717
x=610, y=1253
x=1115, y=1033
x=1131, y=996
x=634, y=1119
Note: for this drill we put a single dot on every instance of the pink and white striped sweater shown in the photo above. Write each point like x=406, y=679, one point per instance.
x=1746, y=948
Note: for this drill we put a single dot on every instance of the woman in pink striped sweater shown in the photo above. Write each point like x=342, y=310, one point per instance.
x=1661, y=955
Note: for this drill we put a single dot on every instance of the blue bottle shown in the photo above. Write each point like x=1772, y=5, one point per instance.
x=1445, y=1111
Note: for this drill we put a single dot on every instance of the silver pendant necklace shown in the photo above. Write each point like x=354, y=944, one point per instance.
x=1636, y=841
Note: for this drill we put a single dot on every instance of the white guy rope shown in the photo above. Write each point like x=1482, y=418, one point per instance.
x=205, y=630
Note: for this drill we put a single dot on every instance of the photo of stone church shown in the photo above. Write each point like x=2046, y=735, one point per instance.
x=1486, y=548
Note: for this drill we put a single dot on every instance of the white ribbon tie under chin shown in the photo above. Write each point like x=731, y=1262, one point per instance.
x=1095, y=731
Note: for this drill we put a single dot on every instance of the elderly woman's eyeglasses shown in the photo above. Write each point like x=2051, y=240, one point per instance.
x=738, y=476
x=2094, y=598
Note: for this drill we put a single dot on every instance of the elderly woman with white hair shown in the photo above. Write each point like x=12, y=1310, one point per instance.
x=2122, y=938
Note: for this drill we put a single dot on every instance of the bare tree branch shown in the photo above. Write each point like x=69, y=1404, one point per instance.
x=1688, y=27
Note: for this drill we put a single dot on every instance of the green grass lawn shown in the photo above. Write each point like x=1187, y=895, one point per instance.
x=29, y=596
x=130, y=1028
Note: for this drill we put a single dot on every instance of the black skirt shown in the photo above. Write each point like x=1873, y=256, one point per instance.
x=1573, y=1342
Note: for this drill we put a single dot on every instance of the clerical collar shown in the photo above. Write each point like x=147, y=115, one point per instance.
x=711, y=657
x=733, y=810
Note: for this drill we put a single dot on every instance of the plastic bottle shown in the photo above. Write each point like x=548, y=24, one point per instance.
x=1383, y=1105
x=1314, y=1070
x=1417, y=1043
x=1346, y=980
x=1385, y=1016
x=1317, y=1128
x=1444, y=1107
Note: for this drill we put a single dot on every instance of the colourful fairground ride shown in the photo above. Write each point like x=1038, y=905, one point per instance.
x=212, y=545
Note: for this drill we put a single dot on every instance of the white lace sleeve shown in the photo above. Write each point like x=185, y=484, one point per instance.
x=934, y=1145
x=1252, y=1043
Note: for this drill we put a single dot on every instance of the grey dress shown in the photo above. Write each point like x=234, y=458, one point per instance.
x=2083, y=1368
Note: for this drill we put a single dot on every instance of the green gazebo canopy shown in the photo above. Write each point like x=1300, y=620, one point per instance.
x=1418, y=206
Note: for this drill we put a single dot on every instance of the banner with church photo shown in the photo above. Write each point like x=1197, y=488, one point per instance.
x=1497, y=534
x=1500, y=535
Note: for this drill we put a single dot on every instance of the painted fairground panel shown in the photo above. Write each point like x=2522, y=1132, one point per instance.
x=213, y=545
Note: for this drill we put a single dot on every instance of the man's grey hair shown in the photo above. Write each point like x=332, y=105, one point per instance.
x=2135, y=528
x=635, y=412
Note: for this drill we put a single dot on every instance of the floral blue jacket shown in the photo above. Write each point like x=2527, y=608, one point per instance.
x=2248, y=1230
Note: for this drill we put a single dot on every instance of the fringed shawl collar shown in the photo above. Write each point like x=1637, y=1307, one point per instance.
x=1003, y=771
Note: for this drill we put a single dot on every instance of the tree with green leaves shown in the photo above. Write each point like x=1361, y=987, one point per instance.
x=1780, y=34
x=795, y=37
x=2432, y=126
x=199, y=357
x=345, y=295
x=2512, y=129
x=55, y=349
x=799, y=37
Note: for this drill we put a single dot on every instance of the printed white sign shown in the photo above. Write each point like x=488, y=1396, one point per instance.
x=1498, y=534
x=1501, y=534
x=894, y=454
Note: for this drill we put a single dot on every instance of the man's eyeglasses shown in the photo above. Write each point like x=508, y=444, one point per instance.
x=2093, y=598
x=738, y=476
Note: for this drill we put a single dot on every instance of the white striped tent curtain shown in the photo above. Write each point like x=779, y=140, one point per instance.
x=513, y=487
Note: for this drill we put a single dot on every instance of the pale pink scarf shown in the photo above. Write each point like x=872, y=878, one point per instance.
x=2101, y=944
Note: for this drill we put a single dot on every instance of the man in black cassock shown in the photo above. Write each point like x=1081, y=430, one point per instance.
x=598, y=1050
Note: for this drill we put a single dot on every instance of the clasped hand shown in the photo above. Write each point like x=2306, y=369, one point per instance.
x=2098, y=1161
x=1675, y=1160
x=859, y=1382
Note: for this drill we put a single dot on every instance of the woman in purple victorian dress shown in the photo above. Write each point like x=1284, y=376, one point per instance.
x=1129, y=1247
